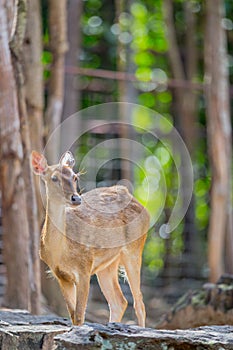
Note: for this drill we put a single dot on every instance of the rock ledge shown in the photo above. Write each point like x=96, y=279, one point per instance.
x=21, y=330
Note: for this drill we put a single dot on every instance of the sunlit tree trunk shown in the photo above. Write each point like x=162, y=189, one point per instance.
x=53, y=116
x=32, y=109
x=219, y=137
x=33, y=242
x=34, y=85
x=58, y=47
x=14, y=208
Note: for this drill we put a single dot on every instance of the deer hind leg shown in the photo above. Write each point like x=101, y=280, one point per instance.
x=132, y=260
x=109, y=284
x=133, y=275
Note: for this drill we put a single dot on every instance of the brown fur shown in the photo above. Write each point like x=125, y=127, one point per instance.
x=106, y=230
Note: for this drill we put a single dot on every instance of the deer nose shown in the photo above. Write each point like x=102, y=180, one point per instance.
x=76, y=199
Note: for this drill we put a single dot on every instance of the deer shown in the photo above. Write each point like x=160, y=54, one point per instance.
x=91, y=233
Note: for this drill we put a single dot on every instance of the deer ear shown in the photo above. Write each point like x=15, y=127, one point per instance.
x=38, y=163
x=67, y=159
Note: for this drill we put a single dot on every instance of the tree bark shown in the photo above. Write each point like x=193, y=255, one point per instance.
x=15, y=226
x=58, y=47
x=33, y=71
x=123, y=96
x=11, y=12
x=219, y=139
x=33, y=91
x=58, y=95
x=72, y=89
x=34, y=271
x=33, y=242
x=34, y=87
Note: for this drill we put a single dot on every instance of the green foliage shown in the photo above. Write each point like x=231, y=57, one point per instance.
x=46, y=61
x=97, y=36
x=148, y=43
x=153, y=254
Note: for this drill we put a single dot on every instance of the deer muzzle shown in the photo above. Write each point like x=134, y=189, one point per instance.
x=76, y=199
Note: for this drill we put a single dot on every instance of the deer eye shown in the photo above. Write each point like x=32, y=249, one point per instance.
x=54, y=178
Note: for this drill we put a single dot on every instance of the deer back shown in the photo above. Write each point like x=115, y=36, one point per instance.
x=107, y=217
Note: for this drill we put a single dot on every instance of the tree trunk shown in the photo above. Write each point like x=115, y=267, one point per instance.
x=123, y=96
x=53, y=116
x=186, y=99
x=15, y=226
x=219, y=138
x=11, y=12
x=34, y=91
x=72, y=90
x=58, y=47
x=33, y=242
x=34, y=86
x=191, y=61
x=34, y=271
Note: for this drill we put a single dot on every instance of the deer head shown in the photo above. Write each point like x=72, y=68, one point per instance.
x=60, y=179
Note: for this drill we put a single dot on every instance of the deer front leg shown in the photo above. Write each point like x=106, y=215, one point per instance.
x=82, y=291
x=69, y=294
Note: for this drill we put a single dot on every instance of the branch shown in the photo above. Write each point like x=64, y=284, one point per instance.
x=173, y=51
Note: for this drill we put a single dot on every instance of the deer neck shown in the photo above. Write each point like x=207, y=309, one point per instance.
x=55, y=216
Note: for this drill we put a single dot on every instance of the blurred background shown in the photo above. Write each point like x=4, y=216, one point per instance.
x=173, y=57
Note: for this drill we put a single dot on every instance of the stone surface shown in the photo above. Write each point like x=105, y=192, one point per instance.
x=20, y=330
x=118, y=336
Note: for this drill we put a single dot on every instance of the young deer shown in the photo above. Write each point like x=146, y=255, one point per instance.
x=94, y=233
